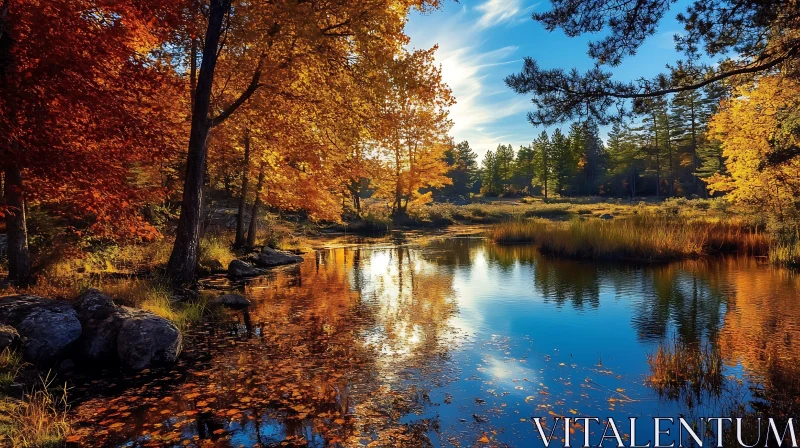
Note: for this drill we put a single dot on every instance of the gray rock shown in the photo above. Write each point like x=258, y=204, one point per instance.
x=9, y=337
x=231, y=301
x=606, y=216
x=270, y=257
x=48, y=332
x=239, y=268
x=101, y=320
x=145, y=339
x=14, y=309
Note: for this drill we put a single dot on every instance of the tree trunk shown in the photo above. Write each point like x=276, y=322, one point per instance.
x=193, y=70
x=658, y=159
x=19, y=260
x=240, y=238
x=669, y=155
x=251, y=235
x=183, y=261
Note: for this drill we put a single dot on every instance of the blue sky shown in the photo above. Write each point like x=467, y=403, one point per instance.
x=483, y=41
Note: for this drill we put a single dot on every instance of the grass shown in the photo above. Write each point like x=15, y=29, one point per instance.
x=157, y=299
x=677, y=367
x=10, y=365
x=38, y=418
x=646, y=237
x=785, y=253
x=216, y=248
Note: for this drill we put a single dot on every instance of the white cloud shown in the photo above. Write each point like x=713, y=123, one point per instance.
x=495, y=12
x=475, y=72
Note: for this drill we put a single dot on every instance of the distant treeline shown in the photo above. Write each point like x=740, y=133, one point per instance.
x=665, y=152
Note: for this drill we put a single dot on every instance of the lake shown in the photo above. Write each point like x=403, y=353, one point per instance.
x=461, y=342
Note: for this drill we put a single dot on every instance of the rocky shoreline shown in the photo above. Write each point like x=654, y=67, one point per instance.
x=93, y=329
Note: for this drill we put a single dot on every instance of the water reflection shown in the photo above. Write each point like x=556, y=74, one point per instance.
x=453, y=343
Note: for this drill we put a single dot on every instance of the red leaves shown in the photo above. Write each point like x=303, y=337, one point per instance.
x=84, y=110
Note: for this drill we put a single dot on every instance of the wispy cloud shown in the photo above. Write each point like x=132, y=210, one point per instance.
x=474, y=70
x=495, y=12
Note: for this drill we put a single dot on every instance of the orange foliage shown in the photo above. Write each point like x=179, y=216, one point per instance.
x=83, y=105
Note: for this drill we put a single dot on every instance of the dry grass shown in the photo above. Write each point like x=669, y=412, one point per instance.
x=10, y=365
x=677, y=367
x=157, y=299
x=39, y=419
x=216, y=248
x=645, y=237
x=785, y=254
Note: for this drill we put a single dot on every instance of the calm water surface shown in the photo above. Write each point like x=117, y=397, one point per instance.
x=458, y=342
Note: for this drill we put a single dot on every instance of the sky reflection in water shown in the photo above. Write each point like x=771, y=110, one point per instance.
x=456, y=343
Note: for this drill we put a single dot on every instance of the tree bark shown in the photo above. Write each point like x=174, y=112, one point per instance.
x=183, y=261
x=240, y=237
x=19, y=260
x=251, y=234
x=658, y=159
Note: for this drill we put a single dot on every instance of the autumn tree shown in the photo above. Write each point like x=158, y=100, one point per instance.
x=758, y=128
x=413, y=134
x=87, y=102
x=262, y=43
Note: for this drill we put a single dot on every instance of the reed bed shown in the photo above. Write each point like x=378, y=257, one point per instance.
x=677, y=367
x=645, y=237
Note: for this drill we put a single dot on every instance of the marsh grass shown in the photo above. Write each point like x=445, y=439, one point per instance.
x=644, y=237
x=39, y=419
x=677, y=367
x=785, y=253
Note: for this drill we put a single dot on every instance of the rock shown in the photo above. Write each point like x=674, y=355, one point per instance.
x=215, y=266
x=101, y=320
x=239, y=268
x=66, y=366
x=270, y=257
x=145, y=339
x=47, y=328
x=8, y=337
x=48, y=332
x=231, y=301
x=606, y=216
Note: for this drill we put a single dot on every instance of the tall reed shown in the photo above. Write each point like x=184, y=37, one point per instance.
x=644, y=237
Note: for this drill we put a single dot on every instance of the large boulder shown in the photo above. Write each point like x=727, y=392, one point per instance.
x=47, y=328
x=239, y=268
x=145, y=339
x=270, y=257
x=9, y=337
x=48, y=333
x=101, y=320
x=231, y=301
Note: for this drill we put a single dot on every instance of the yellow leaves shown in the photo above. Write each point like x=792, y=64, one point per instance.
x=749, y=127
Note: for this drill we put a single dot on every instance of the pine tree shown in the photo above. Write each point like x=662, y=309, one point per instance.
x=543, y=149
x=563, y=158
x=525, y=169
x=463, y=170
x=505, y=162
x=491, y=175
